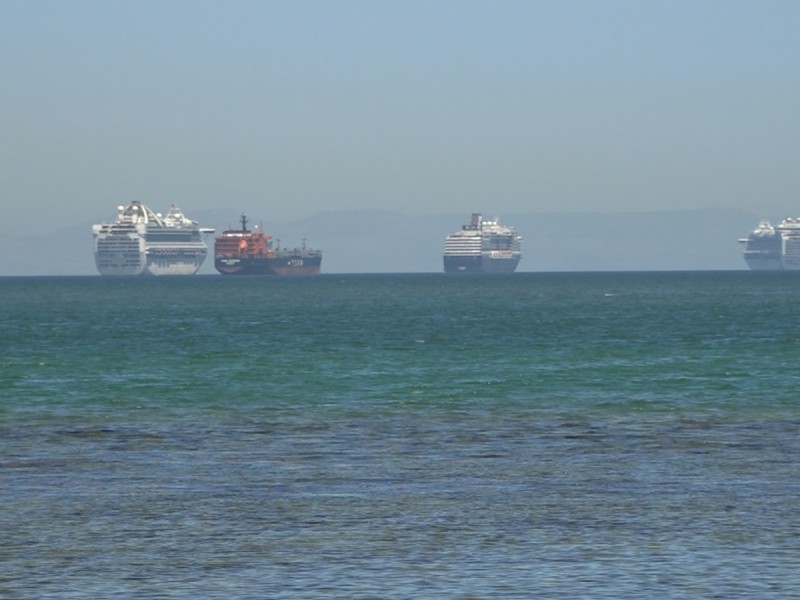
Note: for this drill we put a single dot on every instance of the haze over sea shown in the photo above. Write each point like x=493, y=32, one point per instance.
x=553, y=435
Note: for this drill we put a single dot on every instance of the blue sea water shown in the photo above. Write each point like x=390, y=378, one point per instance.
x=581, y=435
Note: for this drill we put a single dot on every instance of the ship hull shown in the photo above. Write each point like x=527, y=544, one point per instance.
x=120, y=271
x=480, y=264
x=462, y=264
x=172, y=262
x=297, y=265
x=268, y=266
x=757, y=261
x=500, y=266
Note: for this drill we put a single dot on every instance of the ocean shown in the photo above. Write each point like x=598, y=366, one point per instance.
x=548, y=435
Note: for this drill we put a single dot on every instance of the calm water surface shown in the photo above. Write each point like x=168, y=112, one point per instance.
x=401, y=436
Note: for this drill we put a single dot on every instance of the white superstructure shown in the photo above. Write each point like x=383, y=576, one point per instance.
x=142, y=242
x=483, y=246
x=773, y=247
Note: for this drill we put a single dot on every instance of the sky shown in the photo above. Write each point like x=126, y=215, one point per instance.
x=284, y=109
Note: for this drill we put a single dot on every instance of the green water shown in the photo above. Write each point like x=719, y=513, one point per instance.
x=397, y=436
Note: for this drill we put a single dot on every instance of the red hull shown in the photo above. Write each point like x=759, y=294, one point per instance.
x=268, y=265
x=245, y=252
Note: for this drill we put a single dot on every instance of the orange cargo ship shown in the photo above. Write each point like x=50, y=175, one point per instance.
x=252, y=252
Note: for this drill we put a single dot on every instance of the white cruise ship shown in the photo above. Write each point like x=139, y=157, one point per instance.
x=773, y=247
x=482, y=247
x=142, y=242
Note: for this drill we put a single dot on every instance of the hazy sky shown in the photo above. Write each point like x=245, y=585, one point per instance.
x=284, y=109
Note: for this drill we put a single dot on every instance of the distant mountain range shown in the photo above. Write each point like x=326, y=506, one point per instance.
x=368, y=241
